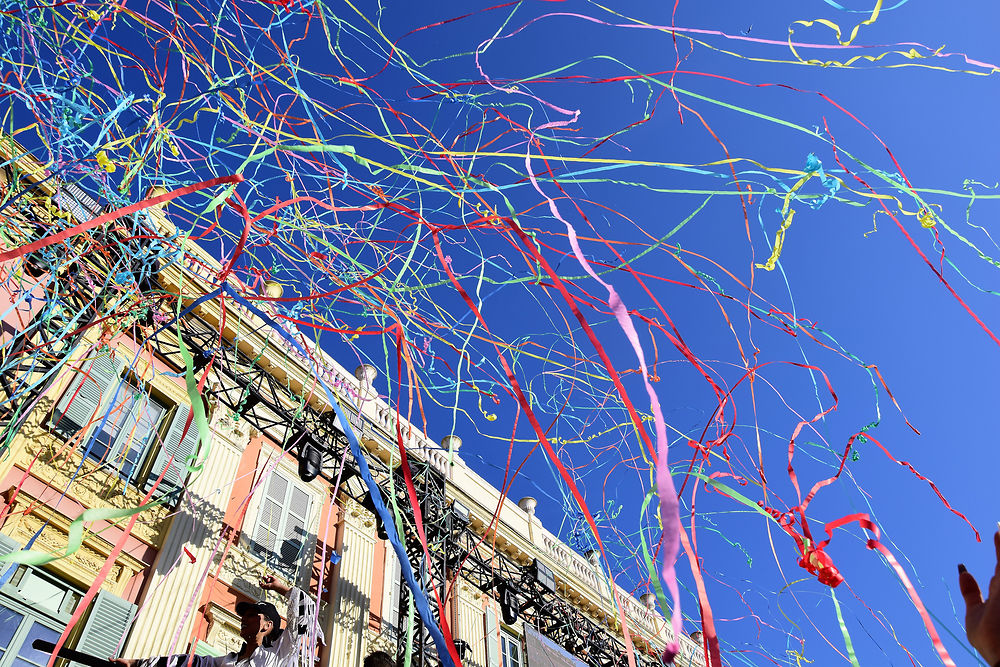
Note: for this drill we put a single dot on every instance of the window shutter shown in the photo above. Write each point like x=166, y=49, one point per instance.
x=83, y=398
x=109, y=620
x=265, y=535
x=294, y=531
x=204, y=648
x=8, y=545
x=392, y=570
x=492, y=649
x=179, y=448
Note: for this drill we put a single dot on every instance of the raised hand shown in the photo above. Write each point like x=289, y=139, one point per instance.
x=982, y=618
x=270, y=583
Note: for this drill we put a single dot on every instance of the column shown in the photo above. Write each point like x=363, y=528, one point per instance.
x=173, y=588
x=348, y=617
x=472, y=625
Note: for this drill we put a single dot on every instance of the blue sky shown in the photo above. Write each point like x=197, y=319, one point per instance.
x=661, y=196
x=869, y=291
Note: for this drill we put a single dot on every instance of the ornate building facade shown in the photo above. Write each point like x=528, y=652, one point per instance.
x=177, y=528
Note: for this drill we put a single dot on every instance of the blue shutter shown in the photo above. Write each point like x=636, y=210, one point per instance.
x=180, y=448
x=83, y=399
x=110, y=618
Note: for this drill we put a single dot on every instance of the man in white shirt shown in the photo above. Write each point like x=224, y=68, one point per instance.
x=265, y=643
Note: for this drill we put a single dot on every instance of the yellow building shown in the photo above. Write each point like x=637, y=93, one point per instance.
x=107, y=413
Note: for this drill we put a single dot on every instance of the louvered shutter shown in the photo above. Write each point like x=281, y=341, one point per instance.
x=294, y=531
x=180, y=448
x=392, y=570
x=72, y=198
x=492, y=648
x=85, y=394
x=110, y=618
x=8, y=545
x=265, y=536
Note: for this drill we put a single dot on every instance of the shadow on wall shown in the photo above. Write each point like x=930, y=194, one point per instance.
x=197, y=524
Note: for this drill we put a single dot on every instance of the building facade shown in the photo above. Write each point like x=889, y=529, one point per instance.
x=100, y=432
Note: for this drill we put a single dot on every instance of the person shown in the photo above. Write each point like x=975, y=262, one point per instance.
x=982, y=617
x=379, y=659
x=265, y=644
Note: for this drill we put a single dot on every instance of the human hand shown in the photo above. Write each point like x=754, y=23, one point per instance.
x=271, y=583
x=982, y=618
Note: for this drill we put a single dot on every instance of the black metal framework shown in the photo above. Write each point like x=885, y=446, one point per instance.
x=454, y=548
x=243, y=386
x=79, y=293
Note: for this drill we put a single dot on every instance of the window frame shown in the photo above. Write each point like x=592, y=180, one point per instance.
x=11, y=598
x=271, y=558
x=508, y=639
x=143, y=393
x=123, y=443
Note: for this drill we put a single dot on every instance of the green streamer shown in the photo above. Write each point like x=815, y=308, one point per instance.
x=843, y=628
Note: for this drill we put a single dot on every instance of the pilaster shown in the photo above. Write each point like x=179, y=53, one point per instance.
x=173, y=588
x=472, y=623
x=348, y=618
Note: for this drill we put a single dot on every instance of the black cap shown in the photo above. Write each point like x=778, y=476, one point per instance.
x=263, y=607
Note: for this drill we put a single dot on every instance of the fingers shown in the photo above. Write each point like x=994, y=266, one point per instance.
x=970, y=588
x=995, y=581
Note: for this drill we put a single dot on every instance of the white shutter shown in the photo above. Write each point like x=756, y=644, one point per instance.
x=180, y=448
x=492, y=647
x=8, y=545
x=280, y=534
x=293, y=535
x=265, y=535
x=72, y=198
x=109, y=620
x=83, y=398
x=392, y=593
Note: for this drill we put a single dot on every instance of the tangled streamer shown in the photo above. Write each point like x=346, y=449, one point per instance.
x=574, y=257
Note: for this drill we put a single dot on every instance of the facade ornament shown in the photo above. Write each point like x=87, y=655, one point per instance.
x=528, y=504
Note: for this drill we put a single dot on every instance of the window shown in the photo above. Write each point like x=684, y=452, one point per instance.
x=124, y=438
x=36, y=605
x=510, y=650
x=279, y=537
x=391, y=593
x=18, y=629
x=33, y=606
x=130, y=433
x=45, y=593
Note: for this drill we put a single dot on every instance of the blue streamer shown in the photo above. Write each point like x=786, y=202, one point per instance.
x=419, y=598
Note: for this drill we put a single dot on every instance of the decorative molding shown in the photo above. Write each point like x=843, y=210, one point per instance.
x=381, y=640
x=50, y=460
x=223, y=628
x=28, y=517
x=364, y=518
x=242, y=570
x=225, y=424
